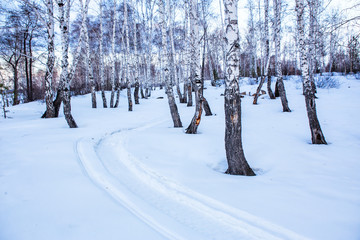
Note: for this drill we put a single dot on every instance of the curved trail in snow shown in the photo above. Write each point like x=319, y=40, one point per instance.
x=171, y=209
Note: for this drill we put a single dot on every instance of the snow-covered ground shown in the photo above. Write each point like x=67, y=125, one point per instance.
x=131, y=175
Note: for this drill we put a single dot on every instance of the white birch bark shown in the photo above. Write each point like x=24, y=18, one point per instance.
x=317, y=137
x=279, y=82
x=195, y=74
x=50, y=109
x=136, y=60
x=237, y=163
x=64, y=10
x=84, y=10
x=102, y=77
x=174, y=75
x=187, y=55
x=165, y=67
x=113, y=56
x=127, y=57
x=267, y=46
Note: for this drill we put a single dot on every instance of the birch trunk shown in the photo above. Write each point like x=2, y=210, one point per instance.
x=165, y=68
x=279, y=81
x=50, y=109
x=87, y=50
x=187, y=64
x=267, y=46
x=262, y=80
x=102, y=78
x=317, y=136
x=136, y=62
x=235, y=156
x=127, y=57
x=64, y=9
x=196, y=69
x=113, y=56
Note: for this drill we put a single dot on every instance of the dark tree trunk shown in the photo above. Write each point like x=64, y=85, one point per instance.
x=207, y=108
x=117, y=91
x=317, y=136
x=130, y=104
x=282, y=93
x=16, y=86
x=237, y=164
x=185, y=93
x=257, y=94
x=192, y=128
x=189, y=91
x=136, y=92
x=67, y=109
x=103, y=97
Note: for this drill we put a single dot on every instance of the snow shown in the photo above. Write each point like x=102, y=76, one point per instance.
x=131, y=175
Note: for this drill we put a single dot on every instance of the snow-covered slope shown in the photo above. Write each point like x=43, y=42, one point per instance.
x=130, y=175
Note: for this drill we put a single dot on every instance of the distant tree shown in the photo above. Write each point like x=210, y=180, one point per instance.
x=237, y=164
x=354, y=53
x=11, y=48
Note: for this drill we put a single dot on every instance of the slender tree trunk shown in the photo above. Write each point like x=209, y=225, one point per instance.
x=196, y=69
x=187, y=65
x=87, y=52
x=102, y=78
x=113, y=88
x=279, y=82
x=262, y=80
x=166, y=73
x=50, y=109
x=127, y=57
x=267, y=46
x=235, y=156
x=30, y=69
x=16, y=84
x=317, y=137
x=64, y=78
x=136, y=62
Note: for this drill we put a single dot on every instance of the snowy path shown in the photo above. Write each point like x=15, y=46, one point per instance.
x=175, y=211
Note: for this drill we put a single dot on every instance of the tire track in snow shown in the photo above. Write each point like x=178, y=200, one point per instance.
x=134, y=185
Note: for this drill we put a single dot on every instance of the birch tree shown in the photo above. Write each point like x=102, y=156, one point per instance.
x=127, y=57
x=102, y=78
x=317, y=136
x=50, y=29
x=187, y=82
x=235, y=156
x=84, y=10
x=136, y=59
x=64, y=10
x=279, y=81
x=113, y=56
x=174, y=74
x=165, y=67
x=195, y=74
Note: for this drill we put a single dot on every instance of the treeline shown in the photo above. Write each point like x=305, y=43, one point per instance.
x=23, y=44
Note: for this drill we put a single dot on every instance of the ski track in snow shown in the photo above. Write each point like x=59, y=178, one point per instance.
x=166, y=206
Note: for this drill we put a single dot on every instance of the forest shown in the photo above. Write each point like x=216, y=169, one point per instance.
x=153, y=111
